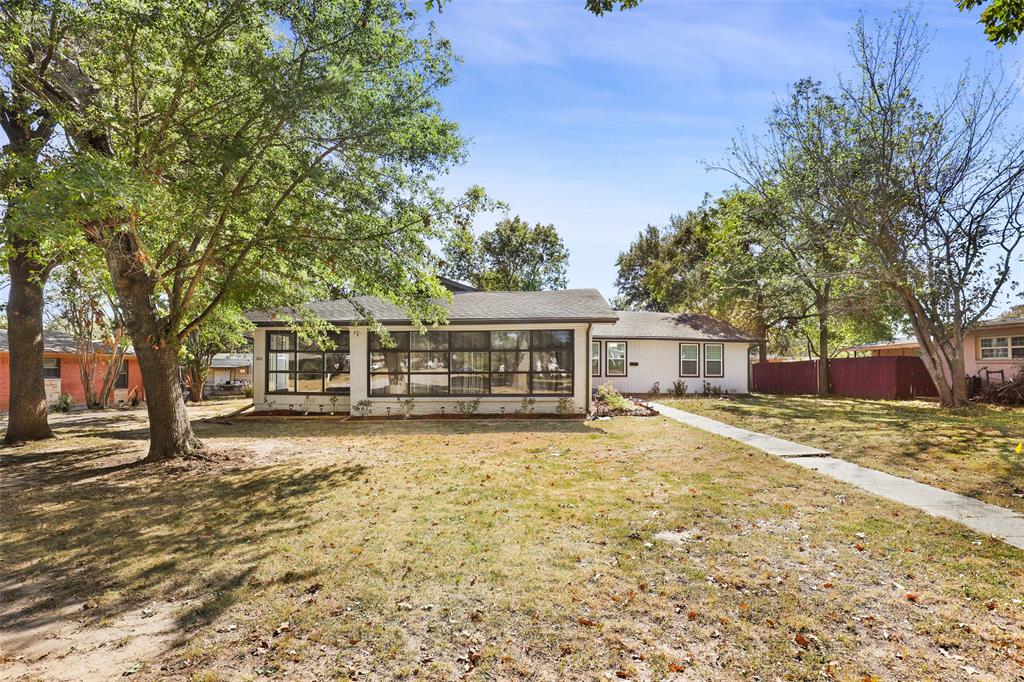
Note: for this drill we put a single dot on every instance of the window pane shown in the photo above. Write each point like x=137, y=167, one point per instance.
x=471, y=340
x=994, y=352
x=51, y=368
x=466, y=361
x=281, y=341
x=552, y=383
x=713, y=351
x=311, y=362
x=309, y=382
x=389, y=362
x=688, y=351
x=281, y=362
x=514, y=384
x=552, y=339
x=305, y=345
x=340, y=340
x=1018, y=352
x=430, y=341
x=993, y=342
x=389, y=384
x=337, y=363
x=689, y=368
x=470, y=384
x=430, y=384
x=428, y=362
x=510, y=361
x=122, y=376
x=552, y=361
x=615, y=353
x=509, y=340
x=595, y=358
x=399, y=339
x=713, y=368
x=281, y=383
x=1017, y=341
x=337, y=383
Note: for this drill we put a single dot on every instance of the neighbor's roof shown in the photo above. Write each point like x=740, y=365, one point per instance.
x=901, y=342
x=469, y=307
x=56, y=342
x=636, y=324
x=231, y=360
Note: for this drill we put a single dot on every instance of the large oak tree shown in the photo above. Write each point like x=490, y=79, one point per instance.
x=261, y=153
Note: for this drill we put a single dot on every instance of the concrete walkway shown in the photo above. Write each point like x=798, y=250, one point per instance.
x=985, y=518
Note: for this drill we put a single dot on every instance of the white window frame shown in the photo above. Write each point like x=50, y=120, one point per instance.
x=595, y=343
x=720, y=361
x=998, y=348
x=625, y=359
x=696, y=372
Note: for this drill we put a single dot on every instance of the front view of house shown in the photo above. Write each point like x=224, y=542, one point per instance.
x=510, y=350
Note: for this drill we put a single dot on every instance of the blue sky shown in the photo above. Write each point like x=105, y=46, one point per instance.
x=602, y=125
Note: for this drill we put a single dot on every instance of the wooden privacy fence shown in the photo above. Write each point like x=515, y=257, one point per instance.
x=892, y=378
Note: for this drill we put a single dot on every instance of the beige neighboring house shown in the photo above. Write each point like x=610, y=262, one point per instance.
x=993, y=346
x=229, y=367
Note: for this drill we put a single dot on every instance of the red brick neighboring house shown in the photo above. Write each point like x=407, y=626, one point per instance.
x=62, y=374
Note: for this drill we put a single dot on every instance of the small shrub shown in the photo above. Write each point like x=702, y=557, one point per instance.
x=334, y=403
x=406, y=405
x=564, y=406
x=527, y=406
x=363, y=408
x=63, y=403
x=710, y=390
x=612, y=398
x=247, y=391
x=467, y=407
x=656, y=388
x=679, y=388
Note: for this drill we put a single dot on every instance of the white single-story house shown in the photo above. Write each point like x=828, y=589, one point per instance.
x=503, y=348
x=645, y=352
x=229, y=367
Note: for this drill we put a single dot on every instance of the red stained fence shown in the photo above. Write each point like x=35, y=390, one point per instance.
x=892, y=378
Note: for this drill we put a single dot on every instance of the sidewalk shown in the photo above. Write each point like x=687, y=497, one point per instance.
x=985, y=518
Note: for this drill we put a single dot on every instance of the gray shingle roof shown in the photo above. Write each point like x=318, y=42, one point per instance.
x=469, y=307
x=635, y=324
x=231, y=360
x=56, y=342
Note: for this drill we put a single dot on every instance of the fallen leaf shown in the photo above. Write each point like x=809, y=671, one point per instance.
x=586, y=621
x=692, y=615
x=910, y=596
x=801, y=640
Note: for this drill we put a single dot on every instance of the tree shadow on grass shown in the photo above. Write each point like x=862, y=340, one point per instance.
x=124, y=535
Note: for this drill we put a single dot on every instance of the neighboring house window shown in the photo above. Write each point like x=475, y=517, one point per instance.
x=996, y=347
x=472, y=363
x=51, y=368
x=294, y=366
x=122, y=376
x=615, y=358
x=689, y=360
x=595, y=358
x=713, y=365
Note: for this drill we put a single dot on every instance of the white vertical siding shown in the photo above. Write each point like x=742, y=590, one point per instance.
x=654, y=360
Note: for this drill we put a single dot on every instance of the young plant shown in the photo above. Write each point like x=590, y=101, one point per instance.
x=406, y=405
x=564, y=406
x=527, y=405
x=467, y=408
x=679, y=388
x=363, y=408
x=334, y=403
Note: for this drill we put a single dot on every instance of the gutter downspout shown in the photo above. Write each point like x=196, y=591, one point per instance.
x=590, y=372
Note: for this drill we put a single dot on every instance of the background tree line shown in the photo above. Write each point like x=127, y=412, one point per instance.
x=864, y=206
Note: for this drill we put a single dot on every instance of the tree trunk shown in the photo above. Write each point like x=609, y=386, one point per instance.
x=823, y=374
x=156, y=349
x=27, y=420
x=952, y=388
x=170, y=433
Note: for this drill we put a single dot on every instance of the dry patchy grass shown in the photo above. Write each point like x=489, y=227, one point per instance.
x=968, y=450
x=488, y=550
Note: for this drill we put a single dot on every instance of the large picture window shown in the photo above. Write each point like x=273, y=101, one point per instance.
x=689, y=360
x=714, y=365
x=294, y=366
x=615, y=358
x=472, y=363
x=998, y=347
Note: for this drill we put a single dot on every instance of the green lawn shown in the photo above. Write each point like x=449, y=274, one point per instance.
x=968, y=450
x=487, y=549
